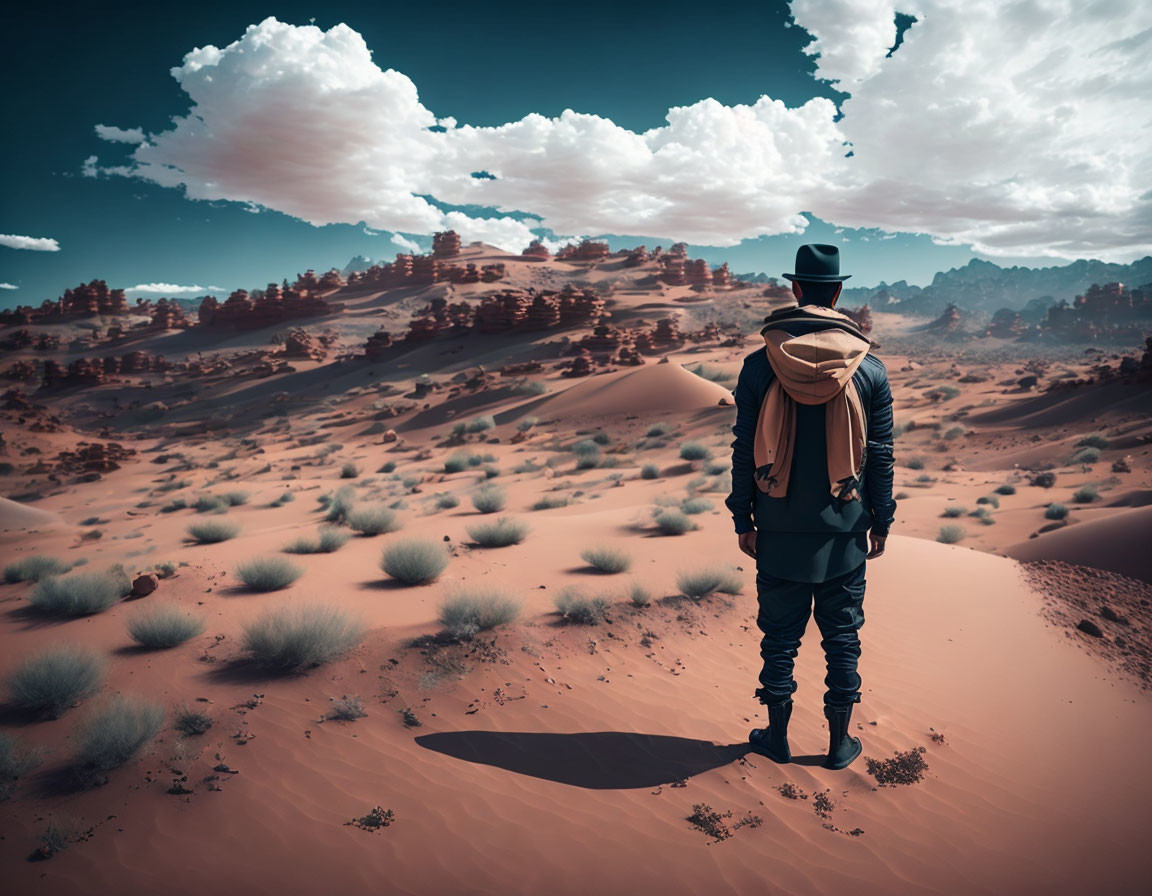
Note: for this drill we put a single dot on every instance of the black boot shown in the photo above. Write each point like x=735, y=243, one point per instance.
x=842, y=747
x=773, y=740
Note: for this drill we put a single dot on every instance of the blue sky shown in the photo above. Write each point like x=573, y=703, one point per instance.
x=484, y=67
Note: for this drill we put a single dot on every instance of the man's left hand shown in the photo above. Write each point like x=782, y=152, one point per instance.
x=877, y=542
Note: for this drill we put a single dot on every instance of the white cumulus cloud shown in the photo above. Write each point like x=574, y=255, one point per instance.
x=406, y=244
x=1019, y=127
x=33, y=243
x=114, y=134
x=171, y=289
x=8, y=286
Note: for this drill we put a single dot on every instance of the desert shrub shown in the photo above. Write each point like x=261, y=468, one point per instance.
x=900, y=496
x=656, y=430
x=1006, y=489
x=340, y=504
x=953, y=432
x=49, y=682
x=79, y=593
x=16, y=761
x=498, y=533
x=1093, y=441
x=213, y=531
x=989, y=499
x=576, y=607
x=674, y=522
x=174, y=505
x=489, y=499
x=375, y=520
x=953, y=510
x=389, y=466
x=1044, y=480
x=235, y=499
x=588, y=454
x=35, y=568
x=414, y=562
x=491, y=472
x=924, y=477
x=693, y=450
x=210, y=504
x=1055, y=511
x=192, y=722
x=527, y=423
x=268, y=573
x=606, y=559
x=602, y=438
x=349, y=471
x=526, y=386
x=703, y=582
x=950, y=534
x=638, y=595
x=1086, y=456
x=942, y=393
x=1086, y=494
x=693, y=506
x=347, y=709
x=447, y=501
x=165, y=569
x=161, y=627
x=465, y=613
x=649, y=471
x=550, y=502
x=914, y=463
x=291, y=639
x=717, y=468
x=327, y=540
x=482, y=423
x=116, y=732
x=285, y=497
x=458, y=462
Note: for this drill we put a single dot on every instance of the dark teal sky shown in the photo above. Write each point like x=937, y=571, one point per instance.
x=484, y=64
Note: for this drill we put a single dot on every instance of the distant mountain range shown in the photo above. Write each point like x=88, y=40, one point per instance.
x=986, y=287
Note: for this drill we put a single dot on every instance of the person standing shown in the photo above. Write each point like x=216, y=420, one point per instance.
x=811, y=499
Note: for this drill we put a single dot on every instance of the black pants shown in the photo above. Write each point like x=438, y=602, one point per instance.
x=784, y=609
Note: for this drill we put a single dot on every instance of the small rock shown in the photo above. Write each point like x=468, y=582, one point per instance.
x=1090, y=628
x=1123, y=465
x=145, y=585
x=390, y=435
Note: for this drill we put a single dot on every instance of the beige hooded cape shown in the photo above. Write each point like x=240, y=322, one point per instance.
x=815, y=368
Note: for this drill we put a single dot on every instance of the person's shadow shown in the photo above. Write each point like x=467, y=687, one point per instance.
x=599, y=760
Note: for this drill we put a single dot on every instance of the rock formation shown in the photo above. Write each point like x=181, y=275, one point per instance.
x=446, y=244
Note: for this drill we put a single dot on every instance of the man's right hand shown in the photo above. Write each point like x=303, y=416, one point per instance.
x=747, y=542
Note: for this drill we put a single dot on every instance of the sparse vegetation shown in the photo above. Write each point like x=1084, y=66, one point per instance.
x=268, y=573
x=291, y=639
x=550, y=502
x=1086, y=456
x=1093, y=441
x=1006, y=489
x=656, y=430
x=414, y=562
x=115, y=733
x=692, y=450
x=578, y=608
x=446, y=501
x=606, y=559
x=327, y=540
x=649, y=471
x=213, y=531
x=1055, y=511
x=458, y=462
x=953, y=510
x=16, y=761
x=35, y=568
x=79, y=593
x=49, y=682
x=1086, y=494
x=903, y=768
x=340, y=504
x=374, y=520
x=347, y=709
x=950, y=534
x=164, y=626
x=466, y=613
x=694, y=506
x=489, y=499
x=498, y=533
x=702, y=583
x=639, y=596
x=192, y=722
x=349, y=471
x=674, y=522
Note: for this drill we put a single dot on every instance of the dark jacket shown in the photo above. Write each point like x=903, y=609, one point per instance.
x=809, y=505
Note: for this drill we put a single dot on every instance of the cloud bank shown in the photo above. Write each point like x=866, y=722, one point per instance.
x=171, y=289
x=33, y=243
x=1019, y=128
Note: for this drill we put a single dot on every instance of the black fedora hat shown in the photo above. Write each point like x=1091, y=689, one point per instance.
x=817, y=263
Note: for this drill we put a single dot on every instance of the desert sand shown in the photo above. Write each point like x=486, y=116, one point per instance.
x=552, y=756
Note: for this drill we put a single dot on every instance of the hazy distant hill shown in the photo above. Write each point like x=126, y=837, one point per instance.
x=985, y=286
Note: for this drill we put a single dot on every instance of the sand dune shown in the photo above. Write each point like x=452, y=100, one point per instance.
x=1118, y=542
x=18, y=518
x=649, y=389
